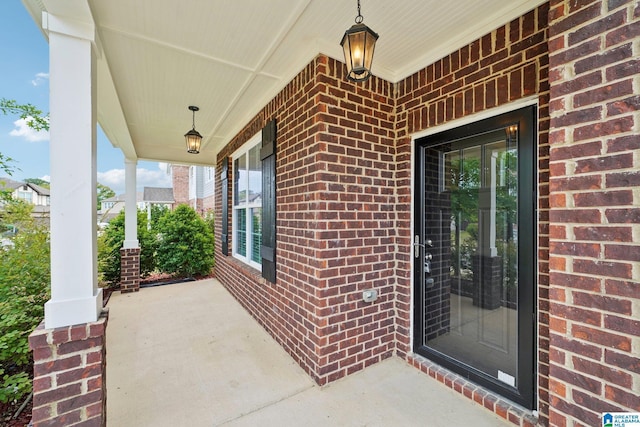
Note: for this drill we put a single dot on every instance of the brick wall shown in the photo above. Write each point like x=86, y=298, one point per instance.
x=180, y=181
x=69, y=384
x=208, y=203
x=129, y=270
x=595, y=199
x=335, y=223
x=344, y=206
x=506, y=65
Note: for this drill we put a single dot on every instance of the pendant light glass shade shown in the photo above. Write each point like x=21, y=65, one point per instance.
x=358, y=44
x=193, y=139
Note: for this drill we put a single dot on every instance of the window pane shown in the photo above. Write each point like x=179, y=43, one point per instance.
x=256, y=234
x=24, y=195
x=255, y=175
x=240, y=180
x=241, y=232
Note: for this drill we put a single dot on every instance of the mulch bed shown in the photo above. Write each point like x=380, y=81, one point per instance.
x=7, y=411
x=156, y=279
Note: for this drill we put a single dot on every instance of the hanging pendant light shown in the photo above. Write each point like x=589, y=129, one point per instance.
x=193, y=137
x=358, y=44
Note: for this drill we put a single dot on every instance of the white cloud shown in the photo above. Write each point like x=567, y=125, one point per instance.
x=40, y=79
x=24, y=131
x=153, y=178
x=114, y=178
x=46, y=178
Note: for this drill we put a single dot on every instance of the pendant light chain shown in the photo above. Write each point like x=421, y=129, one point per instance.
x=359, y=18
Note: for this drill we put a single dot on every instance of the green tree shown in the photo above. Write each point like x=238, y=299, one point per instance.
x=24, y=275
x=185, y=243
x=35, y=118
x=110, y=242
x=104, y=193
x=15, y=212
x=157, y=212
x=24, y=288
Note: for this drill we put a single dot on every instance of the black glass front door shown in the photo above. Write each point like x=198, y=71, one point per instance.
x=474, y=252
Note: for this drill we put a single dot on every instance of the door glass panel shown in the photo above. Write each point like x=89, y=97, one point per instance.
x=470, y=267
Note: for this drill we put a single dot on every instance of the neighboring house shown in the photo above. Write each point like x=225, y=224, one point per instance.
x=33, y=194
x=194, y=186
x=30, y=193
x=159, y=196
x=111, y=207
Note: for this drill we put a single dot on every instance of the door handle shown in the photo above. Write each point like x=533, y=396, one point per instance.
x=416, y=246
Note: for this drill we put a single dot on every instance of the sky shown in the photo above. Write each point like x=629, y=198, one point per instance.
x=24, y=77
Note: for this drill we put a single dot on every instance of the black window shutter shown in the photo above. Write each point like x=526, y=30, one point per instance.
x=225, y=205
x=268, y=157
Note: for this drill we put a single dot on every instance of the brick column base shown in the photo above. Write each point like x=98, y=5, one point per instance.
x=129, y=270
x=487, y=281
x=69, y=374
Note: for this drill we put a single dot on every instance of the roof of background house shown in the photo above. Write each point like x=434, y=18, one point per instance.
x=40, y=190
x=158, y=195
x=120, y=198
x=10, y=184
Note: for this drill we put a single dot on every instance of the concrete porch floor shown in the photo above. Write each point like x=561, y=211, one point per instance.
x=189, y=355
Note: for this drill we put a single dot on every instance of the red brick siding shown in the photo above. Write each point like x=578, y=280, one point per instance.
x=594, y=185
x=208, y=204
x=506, y=65
x=129, y=270
x=69, y=381
x=336, y=233
x=180, y=181
x=335, y=223
x=197, y=205
x=281, y=308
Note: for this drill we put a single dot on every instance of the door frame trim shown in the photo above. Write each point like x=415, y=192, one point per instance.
x=487, y=114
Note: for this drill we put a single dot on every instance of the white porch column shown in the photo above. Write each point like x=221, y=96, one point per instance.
x=130, y=205
x=75, y=297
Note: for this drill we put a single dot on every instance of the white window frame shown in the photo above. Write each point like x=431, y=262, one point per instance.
x=193, y=184
x=256, y=140
x=208, y=173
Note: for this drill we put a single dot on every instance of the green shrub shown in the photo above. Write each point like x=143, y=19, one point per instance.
x=185, y=243
x=110, y=242
x=157, y=212
x=24, y=288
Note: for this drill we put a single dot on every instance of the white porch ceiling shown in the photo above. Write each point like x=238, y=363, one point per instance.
x=230, y=58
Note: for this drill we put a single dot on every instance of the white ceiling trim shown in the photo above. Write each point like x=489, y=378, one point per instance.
x=277, y=41
x=181, y=49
